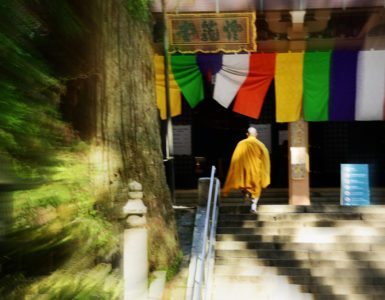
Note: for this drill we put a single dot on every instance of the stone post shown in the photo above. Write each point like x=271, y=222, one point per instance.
x=135, y=261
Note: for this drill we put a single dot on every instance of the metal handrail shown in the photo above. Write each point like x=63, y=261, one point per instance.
x=205, y=264
x=212, y=240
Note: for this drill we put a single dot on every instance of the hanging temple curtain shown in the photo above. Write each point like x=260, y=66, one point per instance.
x=230, y=78
x=370, y=85
x=209, y=64
x=336, y=86
x=343, y=85
x=252, y=93
x=175, y=96
x=288, y=86
x=189, y=78
x=316, y=86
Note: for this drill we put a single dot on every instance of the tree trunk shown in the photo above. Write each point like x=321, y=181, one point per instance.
x=119, y=115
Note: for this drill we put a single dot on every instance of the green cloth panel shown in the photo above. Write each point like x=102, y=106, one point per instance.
x=188, y=77
x=316, y=74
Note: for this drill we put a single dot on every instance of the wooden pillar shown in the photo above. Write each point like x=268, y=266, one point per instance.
x=299, y=190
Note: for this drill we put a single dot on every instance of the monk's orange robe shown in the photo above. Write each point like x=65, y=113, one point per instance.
x=249, y=168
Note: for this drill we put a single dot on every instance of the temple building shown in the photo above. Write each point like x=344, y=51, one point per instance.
x=313, y=86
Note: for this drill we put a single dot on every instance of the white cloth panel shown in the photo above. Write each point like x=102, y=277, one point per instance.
x=370, y=86
x=234, y=71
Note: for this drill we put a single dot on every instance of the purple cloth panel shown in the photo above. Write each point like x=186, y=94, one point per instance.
x=343, y=86
x=209, y=62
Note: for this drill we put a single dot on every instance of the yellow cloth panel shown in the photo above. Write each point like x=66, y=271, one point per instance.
x=288, y=86
x=175, y=95
x=249, y=168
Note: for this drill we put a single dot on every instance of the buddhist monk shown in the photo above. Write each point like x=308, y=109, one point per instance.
x=249, y=168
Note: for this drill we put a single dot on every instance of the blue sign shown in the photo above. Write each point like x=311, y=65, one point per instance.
x=355, y=184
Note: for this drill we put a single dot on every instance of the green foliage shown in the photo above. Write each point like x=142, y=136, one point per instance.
x=29, y=123
x=139, y=9
x=99, y=282
x=54, y=210
x=96, y=283
x=163, y=249
x=61, y=18
x=62, y=210
x=174, y=267
x=59, y=216
x=15, y=281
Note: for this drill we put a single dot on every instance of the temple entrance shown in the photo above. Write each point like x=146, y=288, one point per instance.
x=215, y=131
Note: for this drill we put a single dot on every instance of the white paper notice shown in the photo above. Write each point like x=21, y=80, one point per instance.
x=182, y=139
x=298, y=155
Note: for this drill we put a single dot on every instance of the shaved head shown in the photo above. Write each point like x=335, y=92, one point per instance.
x=252, y=131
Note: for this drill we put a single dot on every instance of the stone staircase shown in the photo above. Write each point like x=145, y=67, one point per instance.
x=279, y=196
x=323, y=251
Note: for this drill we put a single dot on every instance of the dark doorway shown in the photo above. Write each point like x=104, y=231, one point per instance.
x=217, y=130
x=335, y=143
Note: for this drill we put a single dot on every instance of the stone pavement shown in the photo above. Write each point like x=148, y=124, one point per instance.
x=176, y=288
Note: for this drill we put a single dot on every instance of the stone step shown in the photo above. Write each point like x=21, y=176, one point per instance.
x=243, y=245
x=304, y=254
x=245, y=208
x=305, y=238
x=221, y=282
x=314, y=192
x=302, y=216
x=285, y=191
x=370, y=290
x=271, y=191
x=191, y=200
x=323, y=296
x=248, y=291
x=344, y=282
x=285, y=201
x=306, y=232
x=303, y=223
x=247, y=267
x=297, y=263
x=229, y=290
x=266, y=201
x=336, y=191
x=278, y=288
x=322, y=251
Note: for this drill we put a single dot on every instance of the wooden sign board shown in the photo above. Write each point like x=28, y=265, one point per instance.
x=212, y=32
